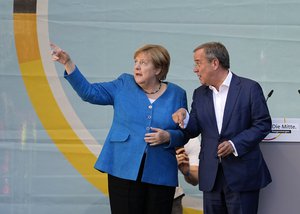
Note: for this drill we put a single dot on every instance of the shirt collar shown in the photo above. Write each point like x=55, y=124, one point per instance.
x=228, y=79
x=225, y=83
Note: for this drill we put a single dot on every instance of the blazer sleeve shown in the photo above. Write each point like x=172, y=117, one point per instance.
x=95, y=93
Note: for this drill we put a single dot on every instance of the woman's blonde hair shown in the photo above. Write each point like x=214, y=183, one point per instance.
x=160, y=58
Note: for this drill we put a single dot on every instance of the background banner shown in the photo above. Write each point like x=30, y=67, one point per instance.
x=50, y=139
x=284, y=130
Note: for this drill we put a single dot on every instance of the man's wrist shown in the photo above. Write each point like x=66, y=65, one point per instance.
x=234, y=152
x=187, y=174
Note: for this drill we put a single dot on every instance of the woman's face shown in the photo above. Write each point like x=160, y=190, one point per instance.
x=144, y=71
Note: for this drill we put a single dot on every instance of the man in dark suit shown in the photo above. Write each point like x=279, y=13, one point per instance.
x=231, y=114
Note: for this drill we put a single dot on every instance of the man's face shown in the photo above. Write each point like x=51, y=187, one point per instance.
x=203, y=68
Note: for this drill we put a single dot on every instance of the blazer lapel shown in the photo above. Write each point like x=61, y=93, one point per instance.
x=234, y=90
x=210, y=108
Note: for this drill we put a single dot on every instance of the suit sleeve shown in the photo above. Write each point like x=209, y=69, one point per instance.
x=260, y=123
x=192, y=129
x=177, y=137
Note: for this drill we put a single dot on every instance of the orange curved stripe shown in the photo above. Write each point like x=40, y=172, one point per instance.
x=45, y=105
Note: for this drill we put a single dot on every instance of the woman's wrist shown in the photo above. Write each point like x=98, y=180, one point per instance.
x=69, y=66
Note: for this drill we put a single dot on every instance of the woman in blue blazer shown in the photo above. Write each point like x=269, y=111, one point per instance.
x=139, y=151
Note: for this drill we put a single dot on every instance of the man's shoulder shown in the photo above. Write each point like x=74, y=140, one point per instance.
x=201, y=89
x=244, y=80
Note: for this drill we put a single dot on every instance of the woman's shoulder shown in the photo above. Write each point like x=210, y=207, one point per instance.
x=125, y=79
x=126, y=76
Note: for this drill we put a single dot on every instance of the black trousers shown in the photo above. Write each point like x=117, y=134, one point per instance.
x=221, y=200
x=136, y=197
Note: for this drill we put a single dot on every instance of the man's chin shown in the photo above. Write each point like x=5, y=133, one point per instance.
x=202, y=83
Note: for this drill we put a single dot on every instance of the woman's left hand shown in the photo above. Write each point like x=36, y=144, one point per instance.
x=157, y=137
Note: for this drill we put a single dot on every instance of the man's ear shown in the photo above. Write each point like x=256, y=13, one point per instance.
x=215, y=63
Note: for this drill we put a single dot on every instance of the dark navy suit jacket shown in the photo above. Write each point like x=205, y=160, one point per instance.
x=246, y=122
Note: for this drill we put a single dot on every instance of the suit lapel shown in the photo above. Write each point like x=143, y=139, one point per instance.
x=234, y=90
x=210, y=108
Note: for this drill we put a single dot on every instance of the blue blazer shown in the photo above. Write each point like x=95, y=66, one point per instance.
x=124, y=146
x=246, y=122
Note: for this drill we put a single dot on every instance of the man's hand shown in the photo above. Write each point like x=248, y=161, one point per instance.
x=179, y=116
x=225, y=148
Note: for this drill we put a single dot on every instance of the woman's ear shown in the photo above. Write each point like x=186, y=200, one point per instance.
x=158, y=72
